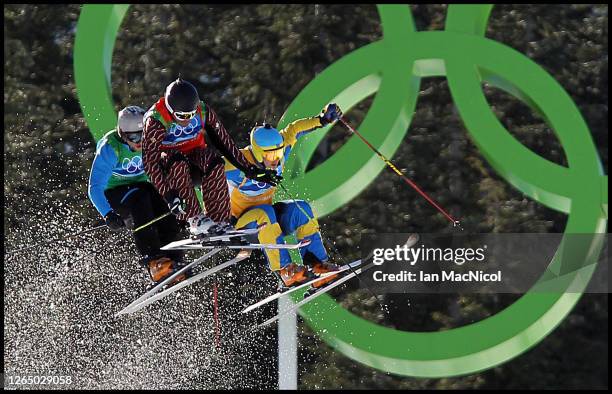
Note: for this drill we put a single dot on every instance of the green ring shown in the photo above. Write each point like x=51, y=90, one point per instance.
x=399, y=60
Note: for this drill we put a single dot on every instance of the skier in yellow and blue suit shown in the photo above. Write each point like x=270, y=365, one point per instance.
x=251, y=201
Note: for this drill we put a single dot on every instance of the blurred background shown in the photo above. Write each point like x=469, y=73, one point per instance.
x=249, y=62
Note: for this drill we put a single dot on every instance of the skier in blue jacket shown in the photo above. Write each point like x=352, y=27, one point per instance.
x=121, y=191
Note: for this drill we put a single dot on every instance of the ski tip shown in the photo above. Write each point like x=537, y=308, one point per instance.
x=412, y=239
x=244, y=253
x=264, y=324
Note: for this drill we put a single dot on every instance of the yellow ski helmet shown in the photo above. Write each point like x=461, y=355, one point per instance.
x=266, y=142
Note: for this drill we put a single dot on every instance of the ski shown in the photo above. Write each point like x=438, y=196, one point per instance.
x=228, y=235
x=411, y=241
x=221, y=238
x=290, y=290
x=185, y=245
x=319, y=292
x=167, y=280
x=242, y=255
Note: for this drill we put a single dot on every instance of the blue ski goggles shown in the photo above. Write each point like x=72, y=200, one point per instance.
x=134, y=137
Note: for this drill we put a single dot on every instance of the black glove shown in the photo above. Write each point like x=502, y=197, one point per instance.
x=175, y=203
x=330, y=113
x=266, y=175
x=114, y=221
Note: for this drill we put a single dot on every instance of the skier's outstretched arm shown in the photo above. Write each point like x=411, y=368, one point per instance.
x=220, y=139
x=301, y=127
x=153, y=134
x=101, y=172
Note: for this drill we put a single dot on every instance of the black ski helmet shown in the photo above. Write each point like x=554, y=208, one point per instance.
x=181, y=96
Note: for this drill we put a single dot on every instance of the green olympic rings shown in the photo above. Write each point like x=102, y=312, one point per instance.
x=392, y=68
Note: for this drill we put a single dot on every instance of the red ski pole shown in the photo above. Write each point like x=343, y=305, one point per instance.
x=216, y=316
x=455, y=222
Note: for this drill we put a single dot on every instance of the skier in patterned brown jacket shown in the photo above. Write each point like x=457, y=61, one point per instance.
x=176, y=152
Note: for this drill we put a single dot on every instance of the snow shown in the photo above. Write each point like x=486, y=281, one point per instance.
x=59, y=308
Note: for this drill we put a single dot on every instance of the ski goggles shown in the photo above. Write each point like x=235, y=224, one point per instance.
x=134, y=137
x=185, y=115
x=273, y=155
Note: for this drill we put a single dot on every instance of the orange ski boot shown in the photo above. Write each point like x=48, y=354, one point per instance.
x=319, y=268
x=162, y=267
x=293, y=274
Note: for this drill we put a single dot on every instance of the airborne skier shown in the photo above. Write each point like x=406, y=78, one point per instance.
x=174, y=149
x=121, y=192
x=251, y=201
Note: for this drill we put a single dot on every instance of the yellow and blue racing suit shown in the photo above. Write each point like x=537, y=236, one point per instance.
x=251, y=204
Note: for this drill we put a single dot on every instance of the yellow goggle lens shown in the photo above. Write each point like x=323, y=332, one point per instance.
x=273, y=155
x=185, y=115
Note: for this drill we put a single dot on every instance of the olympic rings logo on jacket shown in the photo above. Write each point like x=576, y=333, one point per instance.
x=261, y=185
x=132, y=165
x=178, y=131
